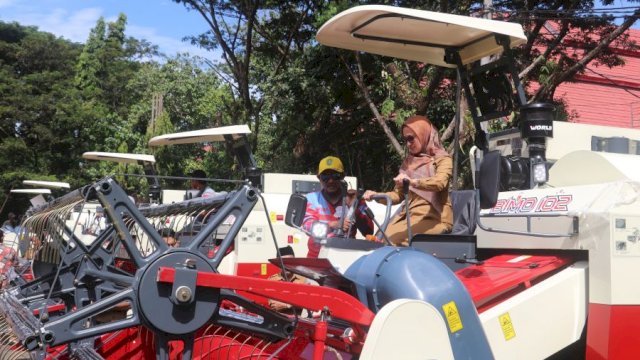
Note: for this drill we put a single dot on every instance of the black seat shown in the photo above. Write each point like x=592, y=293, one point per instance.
x=465, y=214
x=461, y=242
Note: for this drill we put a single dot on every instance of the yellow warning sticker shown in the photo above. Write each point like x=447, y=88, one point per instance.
x=273, y=216
x=453, y=316
x=507, y=326
x=296, y=240
x=263, y=269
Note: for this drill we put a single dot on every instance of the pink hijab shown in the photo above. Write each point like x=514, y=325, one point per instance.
x=421, y=165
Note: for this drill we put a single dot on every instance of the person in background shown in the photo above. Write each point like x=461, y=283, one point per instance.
x=323, y=205
x=12, y=224
x=98, y=223
x=204, y=191
x=169, y=237
x=283, y=275
x=7, y=257
x=428, y=168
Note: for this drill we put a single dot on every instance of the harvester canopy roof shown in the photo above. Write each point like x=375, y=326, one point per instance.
x=199, y=136
x=416, y=34
x=31, y=191
x=47, y=184
x=119, y=157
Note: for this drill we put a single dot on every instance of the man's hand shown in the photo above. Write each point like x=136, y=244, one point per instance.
x=346, y=225
x=336, y=224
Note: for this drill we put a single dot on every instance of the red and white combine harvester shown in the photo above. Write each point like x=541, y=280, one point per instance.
x=540, y=263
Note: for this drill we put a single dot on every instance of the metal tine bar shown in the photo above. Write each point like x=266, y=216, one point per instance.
x=233, y=342
x=129, y=223
x=43, y=226
x=217, y=345
x=78, y=194
x=9, y=353
x=192, y=220
x=66, y=248
x=180, y=221
x=212, y=236
x=247, y=338
x=206, y=337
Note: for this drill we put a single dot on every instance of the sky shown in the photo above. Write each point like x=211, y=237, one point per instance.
x=162, y=22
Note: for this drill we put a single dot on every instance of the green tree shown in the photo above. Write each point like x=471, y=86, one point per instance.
x=273, y=31
x=108, y=61
x=36, y=95
x=191, y=98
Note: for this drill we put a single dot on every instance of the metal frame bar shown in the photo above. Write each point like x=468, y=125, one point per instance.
x=408, y=42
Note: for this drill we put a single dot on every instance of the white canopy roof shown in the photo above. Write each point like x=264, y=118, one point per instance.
x=416, y=34
x=47, y=184
x=199, y=136
x=119, y=157
x=31, y=191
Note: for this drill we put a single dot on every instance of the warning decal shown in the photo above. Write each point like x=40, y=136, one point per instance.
x=453, y=316
x=507, y=326
x=263, y=269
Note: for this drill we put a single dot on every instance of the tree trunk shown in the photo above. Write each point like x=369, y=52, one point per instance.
x=358, y=79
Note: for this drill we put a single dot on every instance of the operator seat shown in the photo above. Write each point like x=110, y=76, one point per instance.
x=456, y=248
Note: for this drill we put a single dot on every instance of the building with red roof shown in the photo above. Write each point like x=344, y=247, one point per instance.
x=606, y=96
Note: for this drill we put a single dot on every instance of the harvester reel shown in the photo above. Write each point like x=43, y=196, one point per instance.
x=88, y=281
x=176, y=309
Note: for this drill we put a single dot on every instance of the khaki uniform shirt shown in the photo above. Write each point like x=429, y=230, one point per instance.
x=425, y=219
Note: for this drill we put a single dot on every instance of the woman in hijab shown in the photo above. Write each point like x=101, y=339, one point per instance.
x=428, y=167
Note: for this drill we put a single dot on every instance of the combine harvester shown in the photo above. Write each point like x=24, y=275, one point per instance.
x=546, y=272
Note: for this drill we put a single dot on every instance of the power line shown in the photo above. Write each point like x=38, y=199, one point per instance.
x=613, y=82
x=605, y=10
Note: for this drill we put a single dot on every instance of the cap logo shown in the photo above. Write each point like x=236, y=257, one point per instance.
x=329, y=161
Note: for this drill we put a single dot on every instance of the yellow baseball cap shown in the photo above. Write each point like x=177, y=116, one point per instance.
x=330, y=163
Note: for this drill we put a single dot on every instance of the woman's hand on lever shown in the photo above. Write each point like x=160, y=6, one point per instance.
x=368, y=194
x=401, y=177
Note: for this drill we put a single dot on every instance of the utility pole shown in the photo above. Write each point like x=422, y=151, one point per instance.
x=156, y=110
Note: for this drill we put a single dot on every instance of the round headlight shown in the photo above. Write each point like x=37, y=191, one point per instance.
x=319, y=230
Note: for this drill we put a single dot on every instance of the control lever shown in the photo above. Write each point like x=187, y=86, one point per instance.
x=370, y=215
x=352, y=209
x=343, y=188
x=405, y=190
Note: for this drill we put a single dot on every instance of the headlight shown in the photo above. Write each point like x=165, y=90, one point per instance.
x=319, y=230
x=540, y=173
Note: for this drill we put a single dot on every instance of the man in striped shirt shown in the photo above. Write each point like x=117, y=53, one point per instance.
x=322, y=205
